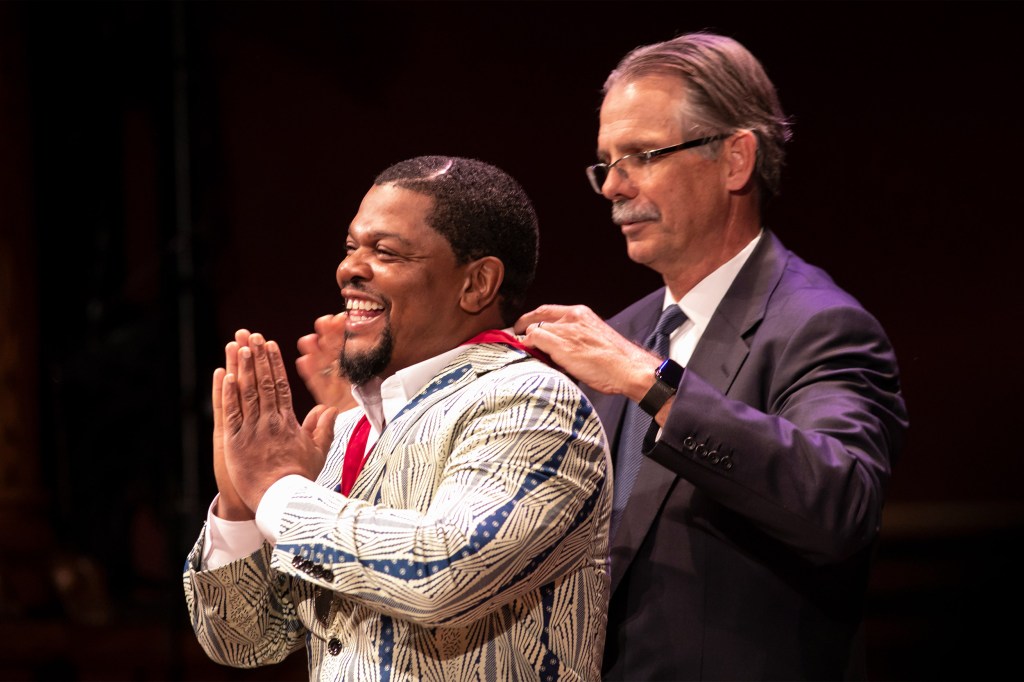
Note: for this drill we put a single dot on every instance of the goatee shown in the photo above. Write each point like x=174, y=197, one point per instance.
x=361, y=367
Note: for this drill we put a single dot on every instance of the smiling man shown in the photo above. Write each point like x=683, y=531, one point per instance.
x=453, y=526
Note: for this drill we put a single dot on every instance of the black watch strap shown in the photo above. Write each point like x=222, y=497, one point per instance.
x=667, y=378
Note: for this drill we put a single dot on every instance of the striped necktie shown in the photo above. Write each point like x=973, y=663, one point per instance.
x=635, y=424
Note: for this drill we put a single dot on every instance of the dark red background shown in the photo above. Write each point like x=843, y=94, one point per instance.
x=135, y=242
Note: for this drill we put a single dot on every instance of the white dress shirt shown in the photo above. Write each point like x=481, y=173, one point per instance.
x=700, y=303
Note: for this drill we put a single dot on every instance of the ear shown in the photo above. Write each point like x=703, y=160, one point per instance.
x=740, y=152
x=483, y=279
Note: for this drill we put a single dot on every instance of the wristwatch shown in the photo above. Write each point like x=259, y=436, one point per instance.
x=666, y=382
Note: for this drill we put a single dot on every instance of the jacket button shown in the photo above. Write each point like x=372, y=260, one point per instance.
x=297, y=561
x=334, y=646
x=727, y=462
x=326, y=574
x=689, y=443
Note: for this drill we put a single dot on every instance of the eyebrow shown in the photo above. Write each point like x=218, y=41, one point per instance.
x=635, y=148
x=378, y=234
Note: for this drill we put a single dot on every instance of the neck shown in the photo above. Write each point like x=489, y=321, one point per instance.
x=689, y=270
x=450, y=335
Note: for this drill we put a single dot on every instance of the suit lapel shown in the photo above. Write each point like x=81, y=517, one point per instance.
x=724, y=346
x=462, y=371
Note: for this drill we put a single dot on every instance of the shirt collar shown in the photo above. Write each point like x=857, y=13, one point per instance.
x=382, y=400
x=700, y=302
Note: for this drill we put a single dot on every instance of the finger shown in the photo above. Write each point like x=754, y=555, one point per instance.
x=304, y=365
x=520, y=325
x=321, y=323
x=319, y=424
x=242, y=337
x=539, y=335
x=544, y=313
x=308, y=343
x=282, y=388
x=231, y=357
x=231, y=404
x=310, y=422
x=579, y=313
x=248, y=395
x=332, y=333
x=265, y=389
x=217, y=398
x=323, y=435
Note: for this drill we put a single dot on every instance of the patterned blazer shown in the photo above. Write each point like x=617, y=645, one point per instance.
x=473, y=546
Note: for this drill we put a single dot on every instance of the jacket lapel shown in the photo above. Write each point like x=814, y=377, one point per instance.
x=724, y=346
x=462, y=371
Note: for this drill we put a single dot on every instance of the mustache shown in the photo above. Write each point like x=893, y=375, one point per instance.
x=625, y=212
x=360, y=286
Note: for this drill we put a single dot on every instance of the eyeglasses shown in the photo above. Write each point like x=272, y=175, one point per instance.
x=598, y=173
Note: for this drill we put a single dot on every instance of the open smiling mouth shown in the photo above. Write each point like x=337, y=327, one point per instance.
x=362, y=311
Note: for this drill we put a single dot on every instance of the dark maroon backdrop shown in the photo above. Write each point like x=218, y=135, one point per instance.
x=900, y=180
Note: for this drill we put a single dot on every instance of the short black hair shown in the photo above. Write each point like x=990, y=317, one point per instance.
x=481, y=211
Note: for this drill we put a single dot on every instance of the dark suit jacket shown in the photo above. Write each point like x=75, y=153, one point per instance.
x=744, y=549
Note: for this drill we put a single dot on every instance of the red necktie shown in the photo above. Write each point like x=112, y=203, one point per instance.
x=356, y=453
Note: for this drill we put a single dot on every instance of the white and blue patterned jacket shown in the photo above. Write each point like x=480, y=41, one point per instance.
x=473, y=546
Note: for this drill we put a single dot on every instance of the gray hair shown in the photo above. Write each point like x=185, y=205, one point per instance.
x=727, y=90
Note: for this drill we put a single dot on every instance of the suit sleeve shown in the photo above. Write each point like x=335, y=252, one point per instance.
x=806, y=454
x=242, y=613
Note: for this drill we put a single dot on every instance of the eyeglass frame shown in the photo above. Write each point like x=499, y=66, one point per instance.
x=646, y=158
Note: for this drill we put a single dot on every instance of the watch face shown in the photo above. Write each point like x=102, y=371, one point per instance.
x=670, y=372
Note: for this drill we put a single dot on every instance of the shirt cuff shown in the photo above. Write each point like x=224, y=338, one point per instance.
x=226, y=541
x=270, y=511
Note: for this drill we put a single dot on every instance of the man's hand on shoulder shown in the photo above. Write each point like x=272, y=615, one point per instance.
x=588, y=349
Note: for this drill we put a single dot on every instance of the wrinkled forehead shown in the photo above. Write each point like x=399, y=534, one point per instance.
x=640, y=113
x=393, y=209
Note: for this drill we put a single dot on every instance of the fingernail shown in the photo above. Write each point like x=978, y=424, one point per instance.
x=244, y=351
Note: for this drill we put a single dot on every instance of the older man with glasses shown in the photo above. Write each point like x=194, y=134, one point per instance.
x=754, y=407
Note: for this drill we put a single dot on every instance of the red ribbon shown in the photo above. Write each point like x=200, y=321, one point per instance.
x=501, y=336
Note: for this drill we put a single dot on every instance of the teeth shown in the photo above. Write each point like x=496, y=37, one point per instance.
x=358, y=304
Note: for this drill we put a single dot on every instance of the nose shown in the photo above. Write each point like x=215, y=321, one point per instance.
x=352, y=268
x=618, y=185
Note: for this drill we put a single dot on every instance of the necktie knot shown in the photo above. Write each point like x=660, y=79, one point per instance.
x=671, y=318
